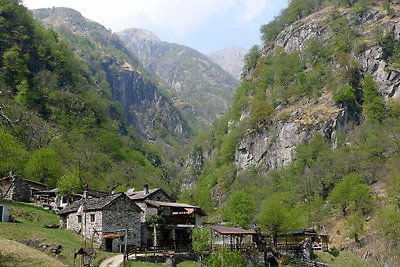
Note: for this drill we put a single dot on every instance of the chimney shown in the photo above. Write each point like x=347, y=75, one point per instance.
x=146, y=189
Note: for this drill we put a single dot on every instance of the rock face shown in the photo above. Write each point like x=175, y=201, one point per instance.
x=144, y=105
x=230, y=59
x=273, y=146
x=202, y=89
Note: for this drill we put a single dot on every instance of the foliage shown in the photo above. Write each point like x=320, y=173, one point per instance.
x=345, y=94
x=70, y=184
x=277, y=216
x=12, y=153
x=58, y=118
x=251, y=58
x=374, y=106
x=44, y=166
x=239, y=209
x=224, y=257
x=352, y=193
x=201, y=240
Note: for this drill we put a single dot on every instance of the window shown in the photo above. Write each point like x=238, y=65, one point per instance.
x=92, y=217
x=1, y=213
x=79, y=218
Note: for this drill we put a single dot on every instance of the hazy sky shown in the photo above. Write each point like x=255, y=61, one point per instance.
x=206, y=25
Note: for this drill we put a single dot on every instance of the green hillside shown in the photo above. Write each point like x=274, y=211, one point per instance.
x=58, y=122
x=323, y=126
x=29, y=228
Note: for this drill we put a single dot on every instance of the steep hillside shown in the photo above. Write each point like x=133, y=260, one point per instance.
x=200, y=88
x=230, y=59
x=144, y=105
x=311, y=138
x=59, y=123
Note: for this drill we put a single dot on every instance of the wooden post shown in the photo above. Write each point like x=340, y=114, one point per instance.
x=125, y=250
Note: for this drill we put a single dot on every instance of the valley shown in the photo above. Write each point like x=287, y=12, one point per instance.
x=300, y=131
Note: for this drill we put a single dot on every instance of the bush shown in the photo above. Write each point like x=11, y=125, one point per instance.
x=345, y=94
x=224, y=257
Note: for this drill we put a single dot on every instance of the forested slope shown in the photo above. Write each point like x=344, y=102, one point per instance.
x=59, y=121
x=312, y=137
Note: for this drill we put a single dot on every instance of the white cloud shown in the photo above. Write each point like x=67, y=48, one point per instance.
x=252, y=9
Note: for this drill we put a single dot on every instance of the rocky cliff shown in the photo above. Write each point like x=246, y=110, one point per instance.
x=273, y=146
x=201, y=88
x=145, y=106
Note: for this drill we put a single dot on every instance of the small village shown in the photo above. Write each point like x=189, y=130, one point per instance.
x=149, y=225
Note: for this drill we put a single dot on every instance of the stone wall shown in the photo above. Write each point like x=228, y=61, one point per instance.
x=115, y=218
x=75, y=226
x=15, y=188
x=122, y=214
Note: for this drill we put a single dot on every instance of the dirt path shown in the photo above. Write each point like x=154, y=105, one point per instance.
x=114, y=261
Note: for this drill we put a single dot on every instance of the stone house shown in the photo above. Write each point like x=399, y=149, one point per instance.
x=14, y=187
x=165, y=222
x=4, y=213
x=106, y=219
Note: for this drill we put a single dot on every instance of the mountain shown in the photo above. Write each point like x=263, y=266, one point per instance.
x=230, y=59
x=75, y=109
x=145, y=105
x=309, y=139
x=199, y=87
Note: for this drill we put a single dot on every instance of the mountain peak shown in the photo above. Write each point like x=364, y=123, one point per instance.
x=230, y=58
x=140, y=35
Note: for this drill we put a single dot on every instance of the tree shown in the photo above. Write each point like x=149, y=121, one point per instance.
x=14, y=69
x=352, y=193
x=12, y=154
x=251, y=58
x=69, y=184
x=277, y=216
x=374, y=105
x=239, y=209
x=201, y=241
x=224, y=258
x=345, y=94
x=44, y=166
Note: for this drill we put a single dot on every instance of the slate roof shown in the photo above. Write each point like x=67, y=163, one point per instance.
x=140, y=195
x=92, y=204
x=26, y=180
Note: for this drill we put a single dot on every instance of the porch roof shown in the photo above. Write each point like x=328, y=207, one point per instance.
x=176, y=205
x=223, y=230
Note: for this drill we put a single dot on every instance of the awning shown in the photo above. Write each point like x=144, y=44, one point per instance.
x=231, y=230
x=111, y=235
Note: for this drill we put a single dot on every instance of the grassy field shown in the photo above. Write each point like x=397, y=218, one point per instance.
x=30, y=225
x=16, y=254
x=342, y=259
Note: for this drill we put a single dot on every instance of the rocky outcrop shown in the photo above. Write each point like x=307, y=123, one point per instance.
x=273, y=146
x=374, y=61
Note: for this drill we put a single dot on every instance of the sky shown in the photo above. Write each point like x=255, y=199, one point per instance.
x=205, y=25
